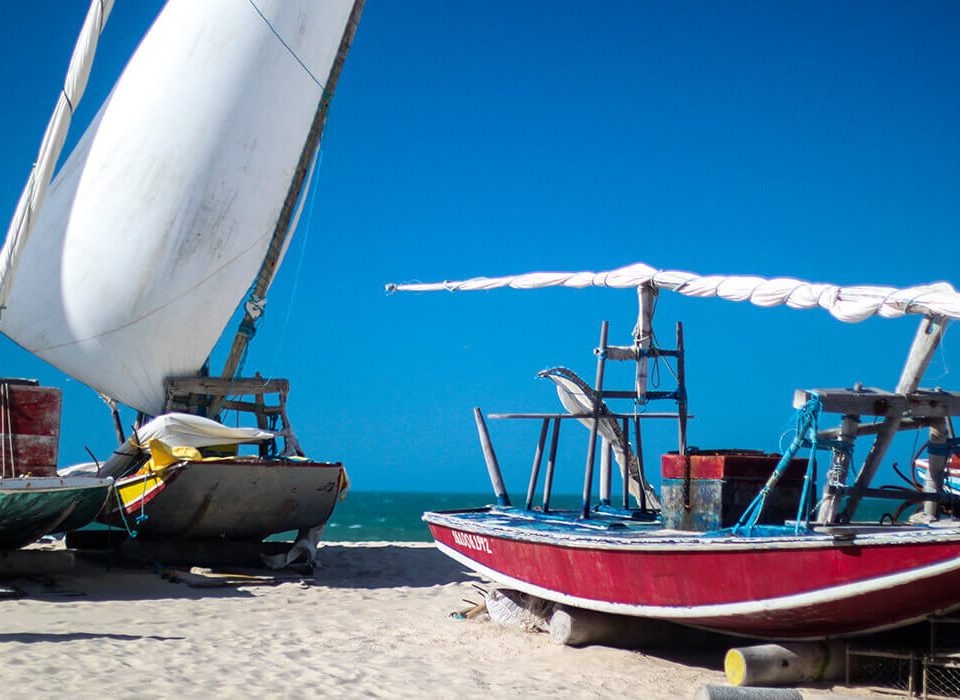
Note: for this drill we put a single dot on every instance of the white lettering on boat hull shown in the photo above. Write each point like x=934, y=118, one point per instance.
x=474, y=542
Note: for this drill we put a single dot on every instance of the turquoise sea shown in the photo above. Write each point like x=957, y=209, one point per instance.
x=395, y=516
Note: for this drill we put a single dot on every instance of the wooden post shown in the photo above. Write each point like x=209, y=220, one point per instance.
x=681, y=394
x=785, y=664
x=626, y=467
x=594, y=425
x=493, y=466
x=643, y=335
x=117, y=425
x=606, y=472
x=936, y=465
x=537, y=459
x=925, y=343
x=551, y=462
x=837, y=474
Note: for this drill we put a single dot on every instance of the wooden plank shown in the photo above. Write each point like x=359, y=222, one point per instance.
x=623, y=353
x=865, y=429
x=250, y=407
x=219, y=386
x=923, y=403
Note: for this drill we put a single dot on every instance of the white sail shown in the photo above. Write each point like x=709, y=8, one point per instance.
x=851, y=304
x=160, y=218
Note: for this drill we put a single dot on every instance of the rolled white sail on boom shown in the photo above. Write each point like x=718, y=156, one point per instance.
x=850, y=303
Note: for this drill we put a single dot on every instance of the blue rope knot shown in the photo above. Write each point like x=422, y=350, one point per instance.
x=948, y=447
x=142, y=518
x=248, y=328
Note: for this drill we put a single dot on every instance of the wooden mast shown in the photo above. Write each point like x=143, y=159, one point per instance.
x=925, y=343
x=254, y=306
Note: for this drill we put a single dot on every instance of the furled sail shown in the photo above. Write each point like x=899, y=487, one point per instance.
x=851, y=304
x=74, y=85
x=161, y=217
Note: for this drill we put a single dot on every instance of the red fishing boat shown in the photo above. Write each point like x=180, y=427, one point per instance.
x=737, y=542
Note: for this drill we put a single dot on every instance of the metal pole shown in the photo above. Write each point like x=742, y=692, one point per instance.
x=551, y=461
x=537, y=458
x=493, y=466
x=592, y=445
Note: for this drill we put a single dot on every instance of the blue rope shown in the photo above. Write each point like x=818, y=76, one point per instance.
x=806, y=423
x=123, y=518
x=949, y=447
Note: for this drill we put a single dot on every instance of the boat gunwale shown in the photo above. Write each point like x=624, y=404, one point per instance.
x=41, y=484
x=633, y=541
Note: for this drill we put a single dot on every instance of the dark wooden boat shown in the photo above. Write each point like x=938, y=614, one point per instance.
x=34, y=501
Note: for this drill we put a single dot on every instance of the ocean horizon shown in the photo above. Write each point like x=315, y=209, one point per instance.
x=395, y=516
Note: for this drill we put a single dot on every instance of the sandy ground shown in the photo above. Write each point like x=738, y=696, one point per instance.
x=373, y=622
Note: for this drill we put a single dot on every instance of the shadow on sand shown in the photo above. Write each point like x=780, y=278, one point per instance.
x=386, y=566
x=33, y=637
x=105, y=577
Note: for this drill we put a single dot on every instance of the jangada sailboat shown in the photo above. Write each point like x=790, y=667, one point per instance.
x=739, y=542
x=177, y=201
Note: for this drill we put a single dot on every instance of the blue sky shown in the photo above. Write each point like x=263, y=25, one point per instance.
x=815, y=140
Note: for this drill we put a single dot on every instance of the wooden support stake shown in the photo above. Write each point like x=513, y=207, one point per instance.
x=925, y=343
x=837, y=474
x=626, y=468
x=594, y=425
x=936, y=466
x=537, y=459
x=681, y=393
x=551, y=462
x=493, y=466
x=643, y=335
x=117, y=425
x=785, y=664
x=606, y=471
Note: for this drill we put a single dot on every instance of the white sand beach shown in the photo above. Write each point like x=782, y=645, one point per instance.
x=373, y=622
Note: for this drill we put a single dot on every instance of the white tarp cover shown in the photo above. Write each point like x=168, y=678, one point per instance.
x=175, y=430
x=850, y=304
x=161, y=217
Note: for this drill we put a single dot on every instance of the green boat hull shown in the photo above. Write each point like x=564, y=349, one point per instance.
x=33, y=507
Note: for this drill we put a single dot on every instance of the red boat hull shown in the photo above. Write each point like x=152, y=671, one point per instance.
x=799, y=587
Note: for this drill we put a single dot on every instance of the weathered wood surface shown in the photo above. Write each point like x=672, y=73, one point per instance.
x=219, y=386
x=594, y=425
x=537, y=460
x=785, y=664
x=837, y=474
x=923, y=403
x=490, y=457
x=29, y=428
x=937, y=463
x=865, y=429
